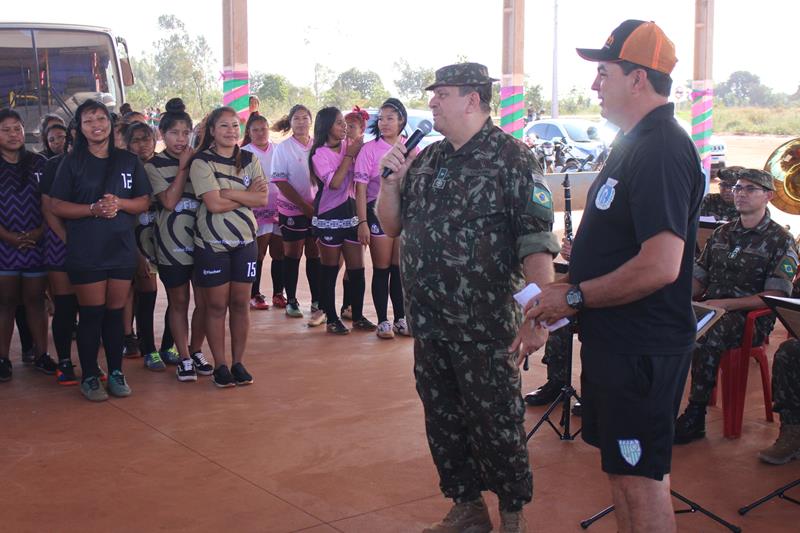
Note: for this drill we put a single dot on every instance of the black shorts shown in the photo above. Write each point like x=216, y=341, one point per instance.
x=629, y=407
x=295, y=227
x=212, y=269
x=336, y=226
x=374, y=224
x=175, y=275
x=84, y=277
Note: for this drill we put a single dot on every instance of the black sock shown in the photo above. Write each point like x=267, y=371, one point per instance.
x=291, y=270
x=356, y=276
x=255, y=290
x=66, y=309
x=396, y=292
x=113, y=335
x=328, y=290
x=345, y=291
x=312, y=274
x=90, y=328
x=167, y=341
x=276, y=270
x=25, y=337
x=145, y=306
x=380, y=292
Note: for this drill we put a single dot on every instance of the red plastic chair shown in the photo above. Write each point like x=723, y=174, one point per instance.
x=734, y=368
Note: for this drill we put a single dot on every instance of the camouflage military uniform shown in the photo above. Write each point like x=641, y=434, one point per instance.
x=786, y=382
x=739, y=262
x=714, y=206
x=469, y=218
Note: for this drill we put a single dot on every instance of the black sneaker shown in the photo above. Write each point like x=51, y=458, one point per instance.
x=44, y=363
x=364, y=324
x=691, y=425
x=241, y=375
x=544, y=395
x=222, y=377
x=5, y=369
x=186, y=371
x=201, y=365
x=130, y=346
x=337, y=328
x=66, y=373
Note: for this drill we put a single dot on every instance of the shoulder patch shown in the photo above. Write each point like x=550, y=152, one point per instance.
x=542, y=196
x=789, y=267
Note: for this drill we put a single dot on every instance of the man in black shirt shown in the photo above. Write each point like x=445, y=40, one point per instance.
x=630, y=276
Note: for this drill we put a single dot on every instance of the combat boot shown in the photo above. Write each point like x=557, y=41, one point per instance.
x=786, y=448
x=691, y=425
x=513, y=522
x=468, y=517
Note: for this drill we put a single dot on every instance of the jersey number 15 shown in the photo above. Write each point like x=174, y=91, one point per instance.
x=127, y=180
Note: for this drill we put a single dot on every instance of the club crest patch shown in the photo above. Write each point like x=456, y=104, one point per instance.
x=606, y=194
x=542, y=196
x=246, y=180
x=290, y=221
x=631, y=450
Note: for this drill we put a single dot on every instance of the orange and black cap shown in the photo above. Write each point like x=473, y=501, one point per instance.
x=639, y=42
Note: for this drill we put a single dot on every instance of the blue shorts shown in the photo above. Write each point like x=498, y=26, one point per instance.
x=84, y=277
x=212, y=269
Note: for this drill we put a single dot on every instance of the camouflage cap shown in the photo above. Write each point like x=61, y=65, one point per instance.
x=730, y=174
x=759, y=177
x=462, y=74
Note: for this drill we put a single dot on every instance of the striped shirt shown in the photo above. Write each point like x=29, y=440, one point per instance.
x=20, y=210
x=212, y=172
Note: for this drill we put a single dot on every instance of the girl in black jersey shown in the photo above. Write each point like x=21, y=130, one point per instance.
x=99, y=190
x=229, y=183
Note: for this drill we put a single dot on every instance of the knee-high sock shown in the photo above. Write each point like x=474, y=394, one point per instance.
x=256, y=287
x=113, y=337
x=291, y=270
x=145, y=307
x=357, y=283
x=346, y=291
x=276, y=270
x=167, y=340
x=90, y=328
x=328, y=276
x=312, y=274
x=380, y=292
x=66, y=310
x=396, y=292
x=25, y=337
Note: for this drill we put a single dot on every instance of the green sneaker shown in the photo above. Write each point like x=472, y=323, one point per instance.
x=152, y=361
x=92, y=389
x=171, y=356
x=293, y=310
x=117, y=385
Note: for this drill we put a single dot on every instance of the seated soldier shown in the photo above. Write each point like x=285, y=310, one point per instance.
x=786, y=402
x=720, y=205
x=742, y=260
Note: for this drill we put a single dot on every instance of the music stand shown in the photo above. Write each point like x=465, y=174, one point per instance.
x=706, y=316
x=788, y=312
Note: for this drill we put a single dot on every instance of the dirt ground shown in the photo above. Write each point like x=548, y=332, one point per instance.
x=751, y=151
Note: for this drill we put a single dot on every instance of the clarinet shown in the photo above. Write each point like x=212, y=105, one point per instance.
x=567, y=208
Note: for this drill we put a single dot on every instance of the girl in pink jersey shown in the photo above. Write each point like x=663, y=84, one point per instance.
x=385, y=251
x=335, y=220
x=256, y=140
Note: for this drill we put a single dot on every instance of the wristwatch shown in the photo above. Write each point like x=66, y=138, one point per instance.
x=575, y=297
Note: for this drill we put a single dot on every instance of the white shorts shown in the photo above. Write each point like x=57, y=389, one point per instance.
x=269, y=227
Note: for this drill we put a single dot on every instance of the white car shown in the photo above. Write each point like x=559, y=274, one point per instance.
x=579, y=133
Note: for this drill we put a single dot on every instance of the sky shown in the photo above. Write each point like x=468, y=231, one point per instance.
x=289, y=37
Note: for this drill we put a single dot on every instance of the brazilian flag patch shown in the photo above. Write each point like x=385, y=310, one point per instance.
x=542, y=196
x=788, y=267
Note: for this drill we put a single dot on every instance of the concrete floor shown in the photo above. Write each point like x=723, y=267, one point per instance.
x=329, y=438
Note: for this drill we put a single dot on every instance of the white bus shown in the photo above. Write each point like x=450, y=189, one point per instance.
x=53, y=68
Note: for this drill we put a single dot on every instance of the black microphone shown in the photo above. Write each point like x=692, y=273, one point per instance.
x=422, y=130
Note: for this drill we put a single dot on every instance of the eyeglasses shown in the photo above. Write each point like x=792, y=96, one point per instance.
x=746, y=189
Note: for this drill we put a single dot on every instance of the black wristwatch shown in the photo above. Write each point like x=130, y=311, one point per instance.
x=575, y=297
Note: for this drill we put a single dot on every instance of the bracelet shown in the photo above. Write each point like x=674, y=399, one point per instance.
x=361, y=222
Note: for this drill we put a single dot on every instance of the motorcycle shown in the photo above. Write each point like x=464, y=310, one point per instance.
x=559, y=156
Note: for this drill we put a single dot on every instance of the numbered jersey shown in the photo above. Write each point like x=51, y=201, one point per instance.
x=100, y=243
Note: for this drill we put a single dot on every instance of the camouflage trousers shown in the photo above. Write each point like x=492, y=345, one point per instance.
x=470, y=393
x=724, y=335
x=786, y=382
x=556, y=354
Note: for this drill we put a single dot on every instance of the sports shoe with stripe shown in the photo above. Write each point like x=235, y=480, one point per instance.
x=152, y=361
x=117, y=385
x=186, y=371
x=170, y=356
x=201, y=365
x=65, y=375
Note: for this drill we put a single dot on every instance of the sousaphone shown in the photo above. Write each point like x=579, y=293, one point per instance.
x=784, y=165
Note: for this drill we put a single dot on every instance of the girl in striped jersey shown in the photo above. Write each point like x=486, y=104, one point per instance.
x=335, y=221
x=385, y=251
x=295, y=208
x=229, y=183
x=256, y=140
x=174, y=238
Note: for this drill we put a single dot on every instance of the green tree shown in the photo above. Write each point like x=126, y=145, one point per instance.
x=743, y=88
x=143, y=93
x=356, y=87
x=412, y=81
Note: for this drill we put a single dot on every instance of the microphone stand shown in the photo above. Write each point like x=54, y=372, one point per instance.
x=567, y=392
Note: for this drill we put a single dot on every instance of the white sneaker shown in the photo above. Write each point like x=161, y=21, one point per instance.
x=317, y=318
x=401, y=328
x=384, y=330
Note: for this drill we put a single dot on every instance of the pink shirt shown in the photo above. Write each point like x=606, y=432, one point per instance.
x=326, y=162
x=268, y=214
x=368, y=166
x=290, y=164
